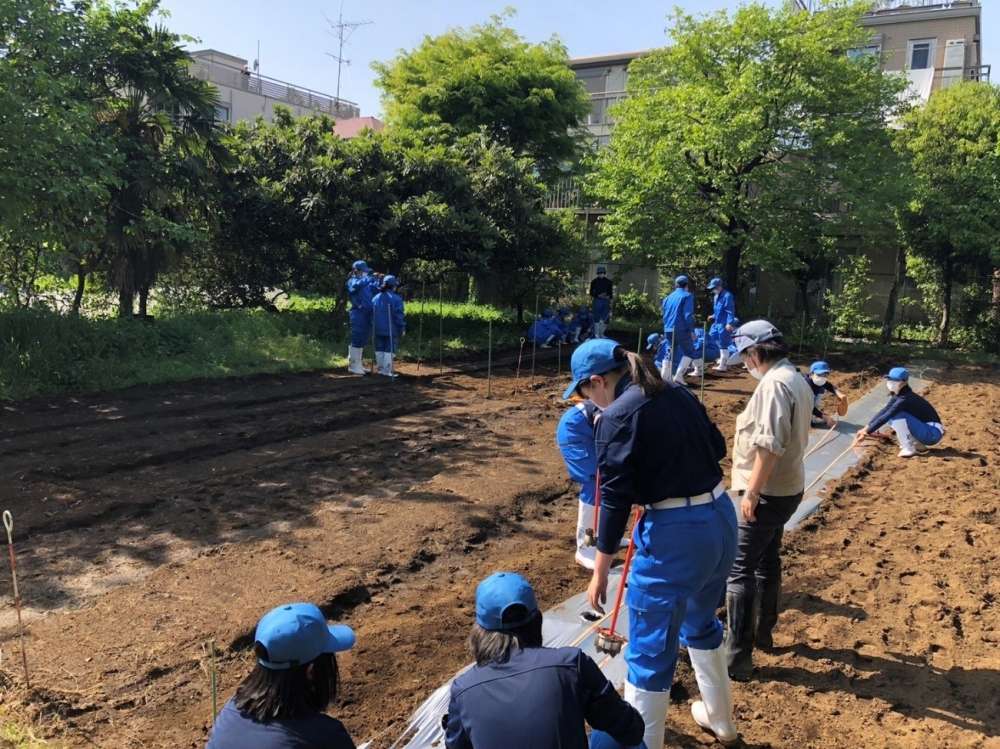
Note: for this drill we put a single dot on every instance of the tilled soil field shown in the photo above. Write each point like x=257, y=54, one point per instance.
x=152, y=521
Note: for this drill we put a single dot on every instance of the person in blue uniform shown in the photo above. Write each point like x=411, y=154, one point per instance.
x=545, y=330
x=657, y=448
x=819, y=380
x=362, y=285
x=282, y=703
x=390, y=325
x=520, y=694
x=724, y=321
x=581, y=326
x=575, y=438
x=602, y=290
x=678, y=325
x=914, y=420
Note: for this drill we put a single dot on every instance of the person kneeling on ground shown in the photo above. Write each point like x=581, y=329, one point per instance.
x=818, y=380
x=910, y=416
x=520, y=694
x=281, y=704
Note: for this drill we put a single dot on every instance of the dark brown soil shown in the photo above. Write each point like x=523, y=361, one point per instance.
x=152, y=521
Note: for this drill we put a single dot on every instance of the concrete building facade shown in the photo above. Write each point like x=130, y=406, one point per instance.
x=245, y=95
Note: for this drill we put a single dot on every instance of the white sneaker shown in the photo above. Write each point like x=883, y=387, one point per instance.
x=907, y=453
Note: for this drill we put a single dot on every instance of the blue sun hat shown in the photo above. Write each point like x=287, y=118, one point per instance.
x=593, y=357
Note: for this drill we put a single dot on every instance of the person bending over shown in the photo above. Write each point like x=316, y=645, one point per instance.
x=910, y=416
x=281, y=704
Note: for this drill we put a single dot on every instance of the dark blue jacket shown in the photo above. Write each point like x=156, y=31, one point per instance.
x=234, y=730
x=649, y=449
x=906, y=401
x=360, y=290
x=539, y=699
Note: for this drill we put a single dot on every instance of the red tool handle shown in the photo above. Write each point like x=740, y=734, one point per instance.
x=625, y=569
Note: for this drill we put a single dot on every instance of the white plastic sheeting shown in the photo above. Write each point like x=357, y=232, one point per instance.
x=573, y=623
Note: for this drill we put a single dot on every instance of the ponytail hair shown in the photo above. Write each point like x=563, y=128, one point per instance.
x=641, y=374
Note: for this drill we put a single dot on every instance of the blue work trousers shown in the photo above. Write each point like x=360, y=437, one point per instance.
x=361, y=326
x=684, y=344
x=682, y=558
x=386, y=344
x=921, y=430
x=602, y=310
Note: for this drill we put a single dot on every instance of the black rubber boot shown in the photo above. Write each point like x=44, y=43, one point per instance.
x=768, y=595
x=739, y=636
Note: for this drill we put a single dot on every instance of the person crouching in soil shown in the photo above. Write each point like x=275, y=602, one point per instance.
x=819, y=380
x=281, y=704
x=520, y=694
x=910, y=416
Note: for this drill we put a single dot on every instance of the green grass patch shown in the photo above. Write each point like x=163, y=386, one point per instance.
x=14, y=736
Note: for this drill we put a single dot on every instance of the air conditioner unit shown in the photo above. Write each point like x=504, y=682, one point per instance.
x=954, y=62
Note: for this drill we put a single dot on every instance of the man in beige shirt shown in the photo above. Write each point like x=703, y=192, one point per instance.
x=769, y=476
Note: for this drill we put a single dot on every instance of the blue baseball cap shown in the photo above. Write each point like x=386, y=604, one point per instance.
x=899, y=374
x=681, y=281
x=390, y=281
x=297, y=633
x=820, y=368
x=499, y=592
x=593, y=357
x=361, y=265
x=713, y=283
x=652, y=341
x=754, y=332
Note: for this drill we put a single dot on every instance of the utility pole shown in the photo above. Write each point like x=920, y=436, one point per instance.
x=342, y=31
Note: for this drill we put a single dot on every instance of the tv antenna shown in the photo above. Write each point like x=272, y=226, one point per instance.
x=343, y=30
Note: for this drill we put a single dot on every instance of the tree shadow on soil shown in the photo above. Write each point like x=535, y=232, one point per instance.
x=808, y=603
x=966, y=698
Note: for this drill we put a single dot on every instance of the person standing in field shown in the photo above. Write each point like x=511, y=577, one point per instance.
x=361, y=288
x=390, y=325
x=723, y=320
x=657, y=448
x=601, y=291
x=678, y=327
x=769, y=478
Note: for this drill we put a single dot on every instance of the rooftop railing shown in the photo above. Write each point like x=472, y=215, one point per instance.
x=881, y=6
x=272, y=88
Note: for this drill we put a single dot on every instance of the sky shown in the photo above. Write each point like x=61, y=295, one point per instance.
x=295, y=38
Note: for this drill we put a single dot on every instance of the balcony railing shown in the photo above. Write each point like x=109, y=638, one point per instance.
x=600, y=103
x=902, y=6
x=272, y=88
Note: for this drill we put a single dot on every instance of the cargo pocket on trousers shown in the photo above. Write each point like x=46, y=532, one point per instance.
x=650, y=623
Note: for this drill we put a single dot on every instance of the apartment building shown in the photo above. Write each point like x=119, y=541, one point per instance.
x=245, y=95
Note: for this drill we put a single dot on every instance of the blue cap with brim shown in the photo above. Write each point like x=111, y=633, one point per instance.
x=593, y=357
x=681, y=281
x=713, y=283
x=652, y=341
x=820, y=368
x=297, y=633
x=390, y=281
x=499, y=592
x=361, y=265
x=754, y=332
x=898, y=374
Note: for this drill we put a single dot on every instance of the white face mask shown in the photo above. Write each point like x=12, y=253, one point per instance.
x=819, y=380
x=754, y=372
x=893, y=386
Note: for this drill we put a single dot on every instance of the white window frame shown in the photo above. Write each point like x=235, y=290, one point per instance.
x=875, y=50
x=931, y=52
x=227, y=109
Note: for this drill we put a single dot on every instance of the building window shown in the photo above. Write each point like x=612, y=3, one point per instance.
x=872, y=50
x=920, y=53
x=221, y=113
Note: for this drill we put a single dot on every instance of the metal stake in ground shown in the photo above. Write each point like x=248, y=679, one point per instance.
x=420, y=326
x=517, y=375
x=673, y=341
x=489, y=363
x=213, y=679
x=638, y=342
x=534, y=342
x=559, y=357
x=8, y=523
x=802, y=336
x=704, y=345
x=441, y=328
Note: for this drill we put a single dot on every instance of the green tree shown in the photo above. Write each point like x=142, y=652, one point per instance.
x=488, y=79
x=746, y=135
x=953, y=220
x=161, y=121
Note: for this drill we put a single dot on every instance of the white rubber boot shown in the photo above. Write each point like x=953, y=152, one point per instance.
x=698, y=366
x=906, y=447
x=354, y=363
x=387, y=360
x=652, y=706
x=721, y=366
x=599, y=329
x=585, y=555
x=682, y=369
x=714, y=711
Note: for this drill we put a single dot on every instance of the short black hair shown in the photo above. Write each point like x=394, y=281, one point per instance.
x=770, y=351
x=269, y=694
